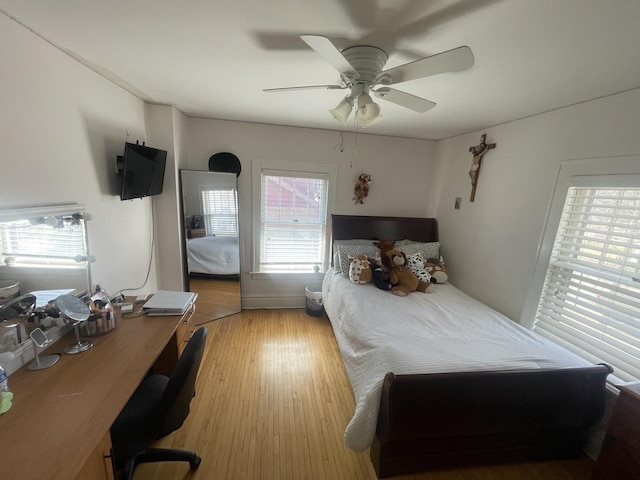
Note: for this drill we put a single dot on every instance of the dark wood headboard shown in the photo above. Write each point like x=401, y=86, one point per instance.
x=376, y=228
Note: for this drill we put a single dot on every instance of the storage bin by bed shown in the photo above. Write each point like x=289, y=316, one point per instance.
x=314, y=300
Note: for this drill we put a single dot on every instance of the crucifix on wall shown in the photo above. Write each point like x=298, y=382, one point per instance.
x=478, y=152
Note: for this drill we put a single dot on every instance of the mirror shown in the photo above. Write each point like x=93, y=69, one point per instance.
x=210, y=215
x=44, y=251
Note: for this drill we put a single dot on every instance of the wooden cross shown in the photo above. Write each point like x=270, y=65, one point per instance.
x=478, y=152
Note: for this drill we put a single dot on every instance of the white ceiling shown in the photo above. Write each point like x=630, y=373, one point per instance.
x=212, y=58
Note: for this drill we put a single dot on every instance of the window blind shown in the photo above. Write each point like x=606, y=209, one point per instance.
x=590, y=301
x=293, y=218
x=220, y=208
x=49, y=241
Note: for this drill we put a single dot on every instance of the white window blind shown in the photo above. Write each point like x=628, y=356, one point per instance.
x=293, y=220
x=590, y=302
x=220, y=209
x=52, y=240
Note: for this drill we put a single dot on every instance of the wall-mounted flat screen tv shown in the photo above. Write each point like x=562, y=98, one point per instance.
x=142, y=171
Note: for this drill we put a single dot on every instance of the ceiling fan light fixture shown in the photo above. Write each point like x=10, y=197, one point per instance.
x=375, y=121
x=343, y=110
x=367, y=110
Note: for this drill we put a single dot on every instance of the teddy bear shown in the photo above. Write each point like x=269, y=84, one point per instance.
x=404, y=281
x=360, y=271
x=384, y=246
x=437, y=270
x=415, y=263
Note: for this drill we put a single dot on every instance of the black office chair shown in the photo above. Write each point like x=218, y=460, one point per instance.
x=159, y=406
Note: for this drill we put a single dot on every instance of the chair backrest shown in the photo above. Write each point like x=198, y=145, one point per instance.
x=180, y=390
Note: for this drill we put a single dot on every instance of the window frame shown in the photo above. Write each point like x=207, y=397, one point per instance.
x=259, y=166
x=592, y=172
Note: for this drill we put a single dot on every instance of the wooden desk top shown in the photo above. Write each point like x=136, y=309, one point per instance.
x=60, y=414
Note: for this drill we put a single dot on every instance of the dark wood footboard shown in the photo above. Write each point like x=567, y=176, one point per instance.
x=436, y=421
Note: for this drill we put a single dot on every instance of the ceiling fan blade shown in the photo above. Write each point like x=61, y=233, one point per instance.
x=306, y=87
x=327, y=50
x=449, y=61
x=404, y=99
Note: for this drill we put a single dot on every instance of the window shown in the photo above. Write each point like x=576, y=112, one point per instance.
x=591, y=298
x=292, y=233
x=587, y=276
x=220, y=207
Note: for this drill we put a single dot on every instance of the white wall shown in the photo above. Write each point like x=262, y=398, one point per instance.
x=165, y=126
x=60, y=126
x=491, y=245
x=400, y=168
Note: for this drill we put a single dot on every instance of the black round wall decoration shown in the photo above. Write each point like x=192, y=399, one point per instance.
x=224, y=162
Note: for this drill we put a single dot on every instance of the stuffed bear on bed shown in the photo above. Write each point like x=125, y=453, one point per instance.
x=437, y=270
x=415, y=263
x=404, y=281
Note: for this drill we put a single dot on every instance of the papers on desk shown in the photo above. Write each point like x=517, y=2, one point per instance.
x=45, y=296
x=167, y=302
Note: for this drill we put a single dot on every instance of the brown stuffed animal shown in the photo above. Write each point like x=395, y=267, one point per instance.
x=385, y=245
x=437, y=270
x=360, y=269
x=404, y=281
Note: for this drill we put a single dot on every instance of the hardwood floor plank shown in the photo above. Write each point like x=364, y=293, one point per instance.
x=272, y=402
x=217, y=297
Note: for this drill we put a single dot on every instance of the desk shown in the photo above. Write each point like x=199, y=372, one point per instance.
x=59, y=424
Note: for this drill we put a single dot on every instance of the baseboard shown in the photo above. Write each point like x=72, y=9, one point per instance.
x=258, y=302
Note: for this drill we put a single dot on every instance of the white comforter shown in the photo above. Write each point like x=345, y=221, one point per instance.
x=213, y=255
x=443, y=331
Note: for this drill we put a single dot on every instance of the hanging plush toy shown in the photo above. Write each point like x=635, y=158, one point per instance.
x=361, y=189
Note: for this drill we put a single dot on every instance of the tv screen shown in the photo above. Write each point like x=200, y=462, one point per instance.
x=143, y=171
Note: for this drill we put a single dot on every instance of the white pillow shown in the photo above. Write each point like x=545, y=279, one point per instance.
x=427, y=250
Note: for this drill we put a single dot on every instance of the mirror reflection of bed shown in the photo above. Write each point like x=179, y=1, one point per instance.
x=210, y=213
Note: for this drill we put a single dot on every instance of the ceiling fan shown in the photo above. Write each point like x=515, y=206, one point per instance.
x=360, y=69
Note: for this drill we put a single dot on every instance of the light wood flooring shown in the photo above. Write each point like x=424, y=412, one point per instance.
x=272, y=402
x=216, y=298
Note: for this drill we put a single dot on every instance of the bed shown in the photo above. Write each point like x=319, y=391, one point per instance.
x=441, y=380
x=213, y=255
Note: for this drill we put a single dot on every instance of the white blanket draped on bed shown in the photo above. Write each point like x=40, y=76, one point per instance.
x=443, y=331
x=213, y=255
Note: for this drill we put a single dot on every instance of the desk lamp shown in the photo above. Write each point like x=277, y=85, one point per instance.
x=74, y=312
